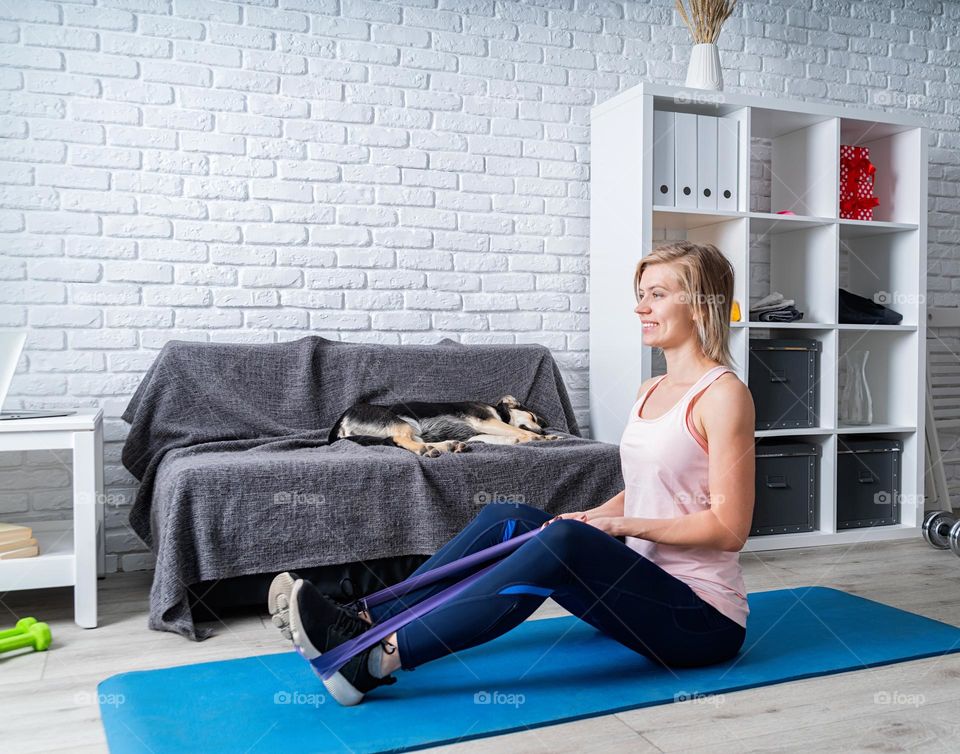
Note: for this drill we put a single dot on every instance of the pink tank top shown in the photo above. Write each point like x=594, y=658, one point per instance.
x=665, y=475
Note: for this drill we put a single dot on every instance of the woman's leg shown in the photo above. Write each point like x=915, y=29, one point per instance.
x=600, y=580
x=490, y=526
x=644, y=607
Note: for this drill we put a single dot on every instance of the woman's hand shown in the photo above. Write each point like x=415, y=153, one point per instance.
x=576, y=516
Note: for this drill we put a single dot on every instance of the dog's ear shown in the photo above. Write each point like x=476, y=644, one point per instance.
x=503, y=411
x=510, y=402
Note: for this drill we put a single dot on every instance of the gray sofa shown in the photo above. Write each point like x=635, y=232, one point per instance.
x=238, y=482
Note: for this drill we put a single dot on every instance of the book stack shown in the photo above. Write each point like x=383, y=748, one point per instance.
x=17, y=541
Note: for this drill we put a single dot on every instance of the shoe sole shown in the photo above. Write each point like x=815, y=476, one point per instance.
x=281, y=586
x=278, y=602
x=339, y=687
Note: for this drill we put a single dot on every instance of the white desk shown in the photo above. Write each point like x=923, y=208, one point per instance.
x=71, y=552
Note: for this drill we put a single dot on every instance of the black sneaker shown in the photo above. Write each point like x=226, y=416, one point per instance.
x=278, y=601
x=318, y=624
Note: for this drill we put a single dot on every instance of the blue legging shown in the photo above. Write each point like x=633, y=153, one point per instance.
x=588, y=572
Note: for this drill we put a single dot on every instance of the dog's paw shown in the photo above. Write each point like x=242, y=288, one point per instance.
x=459, y=447
x=552, y=437
x=427, y=452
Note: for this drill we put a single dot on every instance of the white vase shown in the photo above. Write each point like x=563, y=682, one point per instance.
x=704, y=72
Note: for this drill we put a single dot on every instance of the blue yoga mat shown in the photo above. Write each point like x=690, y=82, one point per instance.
x=543, y=672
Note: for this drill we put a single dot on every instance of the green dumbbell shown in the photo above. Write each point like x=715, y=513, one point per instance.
x=21, y=628
x=27, y=633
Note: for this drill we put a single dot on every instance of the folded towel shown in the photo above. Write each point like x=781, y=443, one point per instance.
x=773, y=298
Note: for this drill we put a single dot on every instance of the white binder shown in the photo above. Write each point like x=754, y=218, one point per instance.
x=685, y=159
x=663, y=184
x=728, y=163
x=706, y=162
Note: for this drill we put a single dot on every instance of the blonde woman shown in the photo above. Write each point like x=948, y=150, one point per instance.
x=674, y=592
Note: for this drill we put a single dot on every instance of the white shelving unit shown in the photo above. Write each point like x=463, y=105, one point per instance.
x=811, y=254
x=72, y=552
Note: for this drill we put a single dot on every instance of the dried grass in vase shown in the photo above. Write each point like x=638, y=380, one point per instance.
x=705, y=18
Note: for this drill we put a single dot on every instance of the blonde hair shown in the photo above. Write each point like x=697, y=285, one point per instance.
x=706, y=280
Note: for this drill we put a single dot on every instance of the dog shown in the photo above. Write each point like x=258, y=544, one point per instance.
x=429, y=429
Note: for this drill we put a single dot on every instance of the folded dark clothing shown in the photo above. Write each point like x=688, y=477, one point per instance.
x=788, y=314
x=857, y=310
x=784, y=305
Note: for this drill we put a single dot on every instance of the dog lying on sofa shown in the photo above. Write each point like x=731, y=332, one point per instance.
x=429, y=429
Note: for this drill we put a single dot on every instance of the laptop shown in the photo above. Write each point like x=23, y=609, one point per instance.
x=11, y=345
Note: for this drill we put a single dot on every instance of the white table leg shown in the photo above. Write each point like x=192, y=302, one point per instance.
x=101, y=506
x=85, y=504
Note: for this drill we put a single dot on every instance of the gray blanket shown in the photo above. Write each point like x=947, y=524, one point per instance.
x=229, y=442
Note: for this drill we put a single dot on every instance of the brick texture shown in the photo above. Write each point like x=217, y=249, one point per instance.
x=391, y=172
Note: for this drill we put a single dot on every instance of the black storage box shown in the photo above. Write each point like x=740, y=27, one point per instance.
x=868, y=481
x=787, y=487
x=783, y=381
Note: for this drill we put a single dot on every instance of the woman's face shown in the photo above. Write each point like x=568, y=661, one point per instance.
x=664, y=310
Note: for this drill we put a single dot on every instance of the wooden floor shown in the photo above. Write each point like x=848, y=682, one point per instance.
x=48, y=700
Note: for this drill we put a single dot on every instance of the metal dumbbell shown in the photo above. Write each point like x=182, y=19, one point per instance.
x=942, y=531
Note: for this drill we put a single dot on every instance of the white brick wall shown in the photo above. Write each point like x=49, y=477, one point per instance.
x=377, y=171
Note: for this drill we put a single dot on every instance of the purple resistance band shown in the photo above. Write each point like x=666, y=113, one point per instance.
x=328, y=664
x=449, y=569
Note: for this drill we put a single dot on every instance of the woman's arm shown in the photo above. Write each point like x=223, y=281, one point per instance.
x=703, y=529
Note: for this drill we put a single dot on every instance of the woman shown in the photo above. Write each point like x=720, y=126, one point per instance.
x=674, y=592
